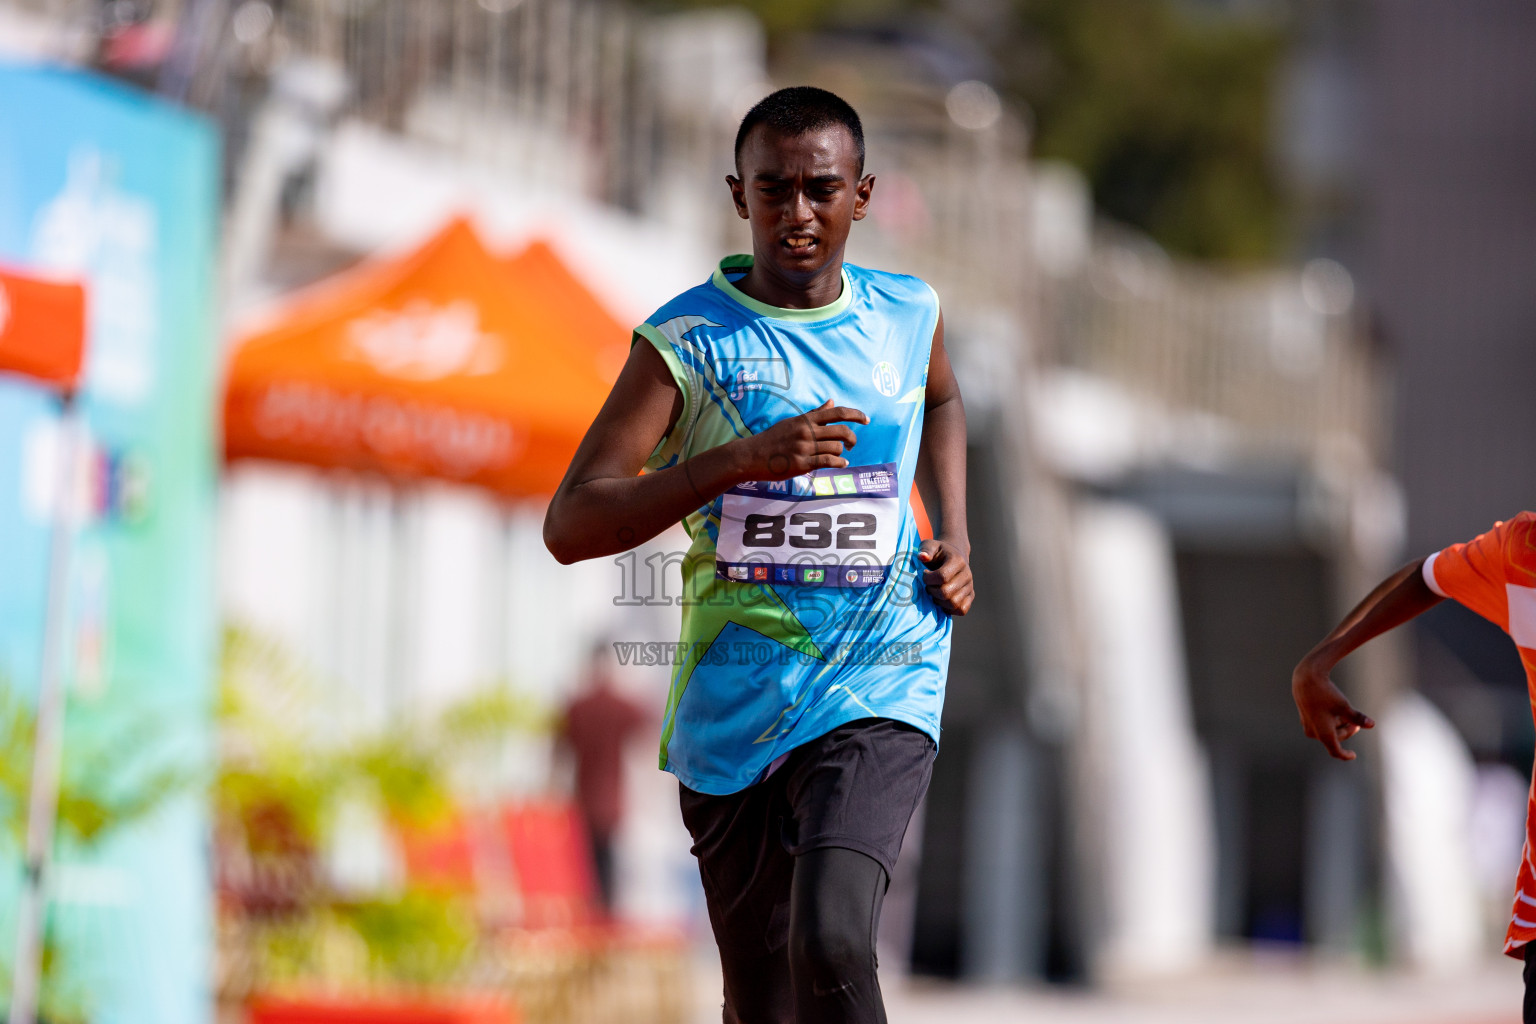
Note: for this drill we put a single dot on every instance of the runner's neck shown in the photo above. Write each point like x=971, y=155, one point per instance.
x=822, y=290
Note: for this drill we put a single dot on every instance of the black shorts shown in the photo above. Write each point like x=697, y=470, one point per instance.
x=854, y=787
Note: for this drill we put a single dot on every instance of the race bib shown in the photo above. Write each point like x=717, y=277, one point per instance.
x=831, y=527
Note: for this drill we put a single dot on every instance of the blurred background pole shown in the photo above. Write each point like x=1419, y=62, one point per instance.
x=48, y=746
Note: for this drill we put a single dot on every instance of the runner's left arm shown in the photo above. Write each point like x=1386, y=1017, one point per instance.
x=941, y=482
x=1326, y=714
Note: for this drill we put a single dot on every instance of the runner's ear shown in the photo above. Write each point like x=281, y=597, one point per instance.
x=738, y=195
x=862, y=193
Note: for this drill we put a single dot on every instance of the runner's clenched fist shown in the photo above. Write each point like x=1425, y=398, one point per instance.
x=947, y=576
x=799, y=444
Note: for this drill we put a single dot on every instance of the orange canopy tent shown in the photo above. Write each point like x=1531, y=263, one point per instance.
x=541, y=276
x=449, y=362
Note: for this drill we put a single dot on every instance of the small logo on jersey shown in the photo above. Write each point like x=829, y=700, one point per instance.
x=815, y=575
x=784, y=574
x=745, y=381
x=887, y=380
x=852, y=576
x=759, y=572
x=737, y=572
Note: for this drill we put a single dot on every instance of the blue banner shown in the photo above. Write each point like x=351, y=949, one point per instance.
x=105, y=184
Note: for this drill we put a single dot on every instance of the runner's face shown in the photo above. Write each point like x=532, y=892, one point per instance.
x=801, y=194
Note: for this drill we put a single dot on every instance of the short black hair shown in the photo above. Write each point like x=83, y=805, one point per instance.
x=800, y=109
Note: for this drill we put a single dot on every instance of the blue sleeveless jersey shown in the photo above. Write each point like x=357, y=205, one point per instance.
x=803, y=602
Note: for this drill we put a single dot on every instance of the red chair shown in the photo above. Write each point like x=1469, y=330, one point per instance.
x=537, y=849
x=529, y=866
x=552, y=860
x=442, y=857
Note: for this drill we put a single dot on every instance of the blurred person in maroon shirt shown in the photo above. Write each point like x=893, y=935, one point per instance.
x=595, y=727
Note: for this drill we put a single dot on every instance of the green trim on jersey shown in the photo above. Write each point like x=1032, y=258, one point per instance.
x=804, y=316
x=672, y=442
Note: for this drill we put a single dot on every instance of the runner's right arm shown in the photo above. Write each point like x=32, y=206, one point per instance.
x=603, y=506
x=1326, y=714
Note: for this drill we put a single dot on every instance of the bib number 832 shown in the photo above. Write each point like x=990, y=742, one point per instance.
x=815, y=531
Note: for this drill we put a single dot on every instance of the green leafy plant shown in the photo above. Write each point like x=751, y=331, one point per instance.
x=285, y=780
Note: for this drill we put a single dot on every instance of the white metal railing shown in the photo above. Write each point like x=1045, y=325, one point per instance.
x=1278, y=358
x=518, y=84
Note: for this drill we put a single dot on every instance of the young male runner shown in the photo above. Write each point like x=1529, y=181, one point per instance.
x=1495, y=576
x=804, y=711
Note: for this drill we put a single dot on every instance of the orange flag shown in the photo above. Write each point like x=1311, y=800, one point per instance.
x=42, y=328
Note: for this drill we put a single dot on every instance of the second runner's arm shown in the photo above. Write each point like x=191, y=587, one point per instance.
x=941, y=482
x=603, y=506
x=1326, y=714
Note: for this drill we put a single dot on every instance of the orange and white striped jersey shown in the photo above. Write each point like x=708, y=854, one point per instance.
x=1495, y=576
